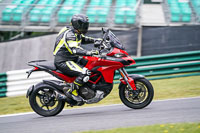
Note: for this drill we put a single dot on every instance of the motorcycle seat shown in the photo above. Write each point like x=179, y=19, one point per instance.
x=47, y=64
x=50, y=65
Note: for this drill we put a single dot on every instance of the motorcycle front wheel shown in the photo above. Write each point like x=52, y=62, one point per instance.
x=43, y=101
x=138, y=99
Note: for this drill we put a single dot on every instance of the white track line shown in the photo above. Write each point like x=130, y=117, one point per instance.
x=27, y=113
x=177, y=99
x=100, y=106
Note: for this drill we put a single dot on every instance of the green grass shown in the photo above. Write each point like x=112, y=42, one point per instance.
x=164, y=89
x=167, y=128
x=10, y=105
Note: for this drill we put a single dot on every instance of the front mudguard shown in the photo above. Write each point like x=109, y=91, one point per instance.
x=132, y=76
x=136, y=76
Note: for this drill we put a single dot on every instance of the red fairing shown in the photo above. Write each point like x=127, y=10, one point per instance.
x=108, y=73
x=130, y=59
x=95, y=61
x=115, y=51
x=92, y=61
x=108, y=66
x=66, y=78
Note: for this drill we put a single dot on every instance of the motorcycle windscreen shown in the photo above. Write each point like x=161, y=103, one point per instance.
x=114, y=41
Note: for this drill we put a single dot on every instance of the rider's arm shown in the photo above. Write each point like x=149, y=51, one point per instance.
x=88, y=40
x=73, y=46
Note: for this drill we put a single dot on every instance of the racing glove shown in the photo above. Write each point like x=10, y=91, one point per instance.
x=97, y=42
x=92, y=52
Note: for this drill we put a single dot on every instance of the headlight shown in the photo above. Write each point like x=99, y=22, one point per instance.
x=119, y=55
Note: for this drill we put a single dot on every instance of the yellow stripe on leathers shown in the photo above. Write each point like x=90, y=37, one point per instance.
x=70, y=67
x=77, y=66
x=60, y=44
x=73, y=66
x=68, y=48
x=62, y=30
x=77, y=83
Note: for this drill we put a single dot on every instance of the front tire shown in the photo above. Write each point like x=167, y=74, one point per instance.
x=43, y=101
x=137, y=99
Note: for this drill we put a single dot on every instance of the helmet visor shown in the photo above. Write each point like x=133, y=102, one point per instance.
x=84, y=27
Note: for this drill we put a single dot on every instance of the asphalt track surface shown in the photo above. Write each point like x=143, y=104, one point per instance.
x=104, y=117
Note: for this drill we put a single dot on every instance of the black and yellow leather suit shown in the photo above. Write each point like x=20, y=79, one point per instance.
x=67, y=51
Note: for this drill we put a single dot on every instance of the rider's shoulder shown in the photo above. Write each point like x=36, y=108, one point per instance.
x=70, y=35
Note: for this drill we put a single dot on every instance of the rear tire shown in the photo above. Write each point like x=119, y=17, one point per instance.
x=137, y=101
x=43, y=101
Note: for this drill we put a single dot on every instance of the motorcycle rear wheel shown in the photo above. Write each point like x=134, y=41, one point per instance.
x=137, y=99
x=43, y=101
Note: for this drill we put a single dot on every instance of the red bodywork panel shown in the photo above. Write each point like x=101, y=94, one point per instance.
x=108, y=66
x=35, y=69
x=116, y=50
x=129, y=59
x=108, y=73
x=64, y=77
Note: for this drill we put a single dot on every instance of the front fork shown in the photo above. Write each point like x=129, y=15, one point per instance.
x=126, y=79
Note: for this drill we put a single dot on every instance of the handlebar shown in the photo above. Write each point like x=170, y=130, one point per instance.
x=100, y=56
x=103, y=43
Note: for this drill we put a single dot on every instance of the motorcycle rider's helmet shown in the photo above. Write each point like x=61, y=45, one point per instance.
x=80, y=22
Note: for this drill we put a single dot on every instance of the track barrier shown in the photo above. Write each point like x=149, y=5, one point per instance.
x=14, y=83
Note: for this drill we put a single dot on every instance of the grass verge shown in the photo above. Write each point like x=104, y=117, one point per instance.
x=167, y=128
x=164, y=89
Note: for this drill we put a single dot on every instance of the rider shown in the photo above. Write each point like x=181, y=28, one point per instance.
x=67, y=51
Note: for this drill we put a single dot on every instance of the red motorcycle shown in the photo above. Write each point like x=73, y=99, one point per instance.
x=135, y=90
